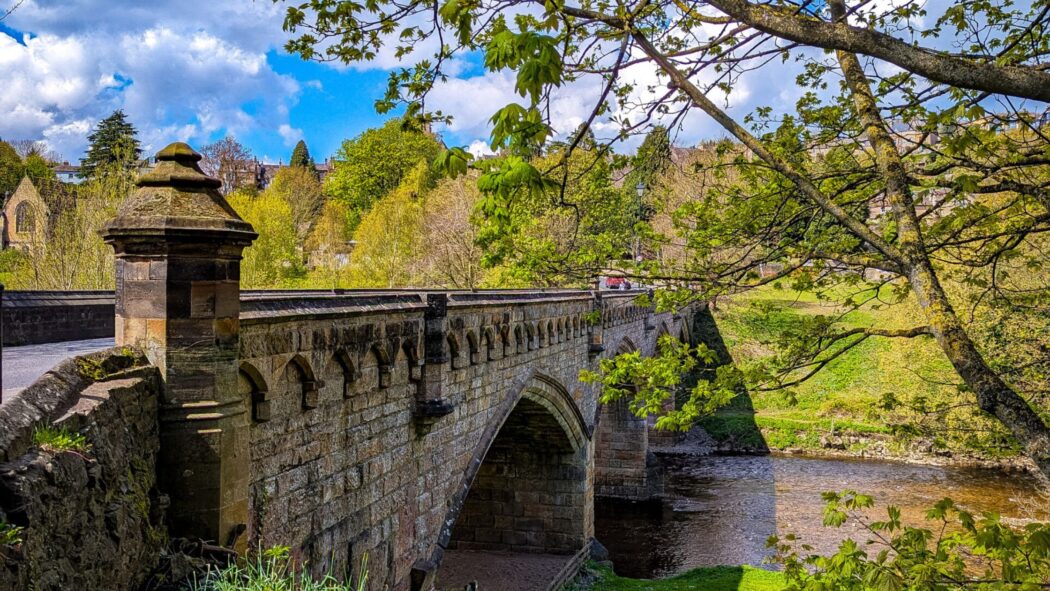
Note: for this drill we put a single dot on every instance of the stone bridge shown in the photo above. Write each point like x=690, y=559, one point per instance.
x=405, y=425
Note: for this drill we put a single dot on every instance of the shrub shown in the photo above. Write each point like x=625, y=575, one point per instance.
x=56, y=439
x=958, y=551
x=274, y=570
x=10, y=534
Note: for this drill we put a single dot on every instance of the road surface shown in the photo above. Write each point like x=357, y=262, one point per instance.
x=23, y=365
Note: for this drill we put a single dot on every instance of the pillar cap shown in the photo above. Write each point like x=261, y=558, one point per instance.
x=176, y=198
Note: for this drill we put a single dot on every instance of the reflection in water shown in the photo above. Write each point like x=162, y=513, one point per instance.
x=720, y=509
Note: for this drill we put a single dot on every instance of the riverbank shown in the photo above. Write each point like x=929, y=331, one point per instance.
x=595, y=577
x=733, y=432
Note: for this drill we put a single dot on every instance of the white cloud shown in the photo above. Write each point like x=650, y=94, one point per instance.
x=181, y=70
x=290, y=134
x=480, y=149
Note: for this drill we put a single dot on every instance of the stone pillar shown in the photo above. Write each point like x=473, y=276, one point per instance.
x=178, y=247
x=431, y=404
x=596, y=345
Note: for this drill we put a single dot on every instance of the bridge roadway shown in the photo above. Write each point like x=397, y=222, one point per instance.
x=23, y=365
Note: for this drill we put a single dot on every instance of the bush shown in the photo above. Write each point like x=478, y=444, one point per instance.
x=56, y=439
x=958, y=551
x=274, y=570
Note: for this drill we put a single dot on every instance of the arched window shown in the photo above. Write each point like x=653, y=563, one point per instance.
x=24, y=222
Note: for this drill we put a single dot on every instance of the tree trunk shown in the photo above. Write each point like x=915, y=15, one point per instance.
x=993, y=394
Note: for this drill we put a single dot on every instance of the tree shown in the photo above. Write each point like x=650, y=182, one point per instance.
x=651, y=160
x=375, y=162
x=387, y=247
x=113, y=141
x=329, y=246
x=450, y=254
x=941, y=132
x=231, y=162
x=273, y=259
x=27, y=148
x=300, y=189
x=11, y=169
x=301, y=156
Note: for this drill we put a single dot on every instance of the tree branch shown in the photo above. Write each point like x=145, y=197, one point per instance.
x=1019, y=81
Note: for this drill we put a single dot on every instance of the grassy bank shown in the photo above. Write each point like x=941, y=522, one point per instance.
x=892, y=397
x=718, y=578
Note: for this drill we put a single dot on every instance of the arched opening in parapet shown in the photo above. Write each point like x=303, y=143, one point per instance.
x=299, y=380
x=530, y=495
x=456, y=358
x=252, y=388
x=473, y=349
x=414, y=359
x=343, y=371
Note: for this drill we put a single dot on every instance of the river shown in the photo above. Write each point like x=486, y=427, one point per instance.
x=721, y=509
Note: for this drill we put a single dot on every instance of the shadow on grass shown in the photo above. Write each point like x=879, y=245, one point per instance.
x=733, y=428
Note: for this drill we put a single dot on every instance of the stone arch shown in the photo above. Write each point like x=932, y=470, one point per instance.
x=684, y=334
x=252, y=388
x=626, y=346
x=414, y=359
x=530, y=336
x=519, y=339
x=473, y=349
x=533, y=455
x=489, y=344
x=342, y=367
x=504, y=341
x=541, y=334
x=384, y=364
x=552, y=334
x=455, y=354
x=576, y=326
x=300, y=376
x=664, y=329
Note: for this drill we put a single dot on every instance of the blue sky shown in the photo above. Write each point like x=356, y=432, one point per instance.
x=196, y=70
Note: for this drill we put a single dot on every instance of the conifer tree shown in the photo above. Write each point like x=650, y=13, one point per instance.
x=113, y=141
x=301, y=156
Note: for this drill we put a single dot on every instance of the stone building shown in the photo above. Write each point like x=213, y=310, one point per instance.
x=25, y=217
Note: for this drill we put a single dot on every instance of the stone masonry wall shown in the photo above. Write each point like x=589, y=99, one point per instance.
x=31, y=317
x=91, y=517
x=341, y=462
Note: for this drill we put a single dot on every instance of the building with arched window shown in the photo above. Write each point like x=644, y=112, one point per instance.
x=25, y=216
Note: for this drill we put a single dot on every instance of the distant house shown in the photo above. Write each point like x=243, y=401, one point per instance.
x=25, y=217
x=68, y=173
x=264, y=173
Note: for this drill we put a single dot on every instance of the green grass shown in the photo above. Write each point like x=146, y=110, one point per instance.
x=274, y=570
x=717, y=578
x=10, y=534
x=882, y=389
x=56, y=440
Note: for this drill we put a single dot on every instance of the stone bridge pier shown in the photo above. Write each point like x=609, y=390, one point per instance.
x=402, y=424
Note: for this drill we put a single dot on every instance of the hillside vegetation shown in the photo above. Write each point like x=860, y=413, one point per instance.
x=885, y=397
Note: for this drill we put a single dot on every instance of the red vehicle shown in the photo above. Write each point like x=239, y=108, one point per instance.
x=617, y=283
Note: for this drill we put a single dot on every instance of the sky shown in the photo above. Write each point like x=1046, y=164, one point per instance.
x=197, y=70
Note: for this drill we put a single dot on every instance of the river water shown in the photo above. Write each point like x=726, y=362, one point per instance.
x=721, y=509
